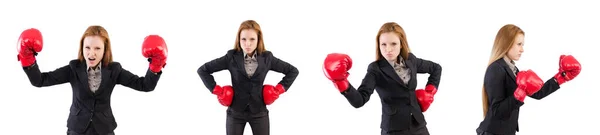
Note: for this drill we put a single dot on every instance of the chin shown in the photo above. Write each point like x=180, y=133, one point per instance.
x=388, y=59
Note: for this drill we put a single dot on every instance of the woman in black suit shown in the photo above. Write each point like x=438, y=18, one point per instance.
x=393, y=75
x=93, y=77
x=247, y=97
x=505, y=87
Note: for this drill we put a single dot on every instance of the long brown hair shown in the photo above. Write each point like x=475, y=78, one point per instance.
x=96, y=30
x=398, y=30
x=504, y=41
x=250, y=24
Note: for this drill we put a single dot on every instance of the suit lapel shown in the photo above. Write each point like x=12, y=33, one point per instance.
x=413, y=72
x=507, y=69
x=83, y=78
x=388, y=70
x=261, y=65
x=105, y=79
x=239, y=60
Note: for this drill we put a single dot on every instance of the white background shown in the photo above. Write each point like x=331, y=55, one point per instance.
x=456, y=34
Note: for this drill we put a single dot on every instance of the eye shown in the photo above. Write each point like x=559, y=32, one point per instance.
x=87, y=47
x=394, y=43
x=520, y=44
x=383, y=44
x=244, y=39
x=97, y=48
x=252, y=39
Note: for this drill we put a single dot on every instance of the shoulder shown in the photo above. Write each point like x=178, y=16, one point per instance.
x=495, y=67
x=114, y=66
x=411, y=56
x=74, y=62
x=231, y=51
x=267, y=54
x=230, y=54
x=374, y=66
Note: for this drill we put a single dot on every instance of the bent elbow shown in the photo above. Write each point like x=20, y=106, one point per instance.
x=357, y=105
x=36, y=84
x=148, y=88
x=537, y=97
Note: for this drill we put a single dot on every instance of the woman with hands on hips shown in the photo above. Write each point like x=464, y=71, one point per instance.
x=247, y=97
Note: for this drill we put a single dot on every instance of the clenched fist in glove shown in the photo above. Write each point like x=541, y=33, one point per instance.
x=29, y=44
x=568, y=69
x=271, y=93
x=224, y=94
x=528, y=83
x=155, y=49
x=425, y=96
x=336, y=68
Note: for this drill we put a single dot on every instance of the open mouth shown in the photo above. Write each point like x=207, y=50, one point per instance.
x=92, y=59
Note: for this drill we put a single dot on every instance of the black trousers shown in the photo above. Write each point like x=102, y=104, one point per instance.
x=236, y=122
x=89, y=131
x=481, y=132
x=415, y=129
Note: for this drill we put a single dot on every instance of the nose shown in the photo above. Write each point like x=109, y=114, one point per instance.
x=389, y=48
x=522, y=49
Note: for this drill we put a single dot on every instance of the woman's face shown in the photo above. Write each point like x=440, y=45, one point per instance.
x=517, y=48
x=248, y=40
x=93, y=50
x=389, y=46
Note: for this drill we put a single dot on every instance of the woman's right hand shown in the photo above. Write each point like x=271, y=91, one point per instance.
x=528, y=83
x=29, y=44
x=224, y=94
x=336, y=68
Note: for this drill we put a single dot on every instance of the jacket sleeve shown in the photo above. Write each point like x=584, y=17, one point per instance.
x=433, y=69
x=205, y=71
x=502, y=104
x=285, y=68
x=146, y=83
x=39, y=79
x=549, y=87
x=359, y=97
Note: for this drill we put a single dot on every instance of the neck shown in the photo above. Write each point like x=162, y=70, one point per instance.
x=507, y=59
x=250, y=54
x=94, y=67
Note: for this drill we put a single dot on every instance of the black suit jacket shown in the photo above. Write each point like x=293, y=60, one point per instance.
x=503, y=111
x=86, y=105
x=248, y=91
x=398, y=100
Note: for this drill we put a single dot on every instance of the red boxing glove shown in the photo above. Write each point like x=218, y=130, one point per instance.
x=568, y=69
x=270, y=93
x=520, y=95
x=29, y=44
x=224, y=94
x=425, y=96
x=528, y=83
x=336, y=68
x=155, y=49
